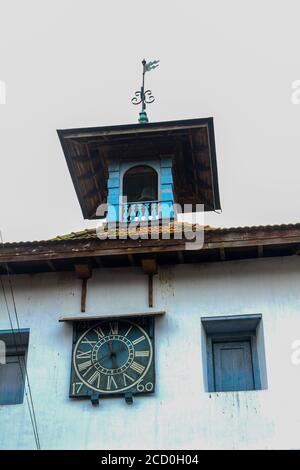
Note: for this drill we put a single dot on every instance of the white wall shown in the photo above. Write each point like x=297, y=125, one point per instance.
x=180, y=414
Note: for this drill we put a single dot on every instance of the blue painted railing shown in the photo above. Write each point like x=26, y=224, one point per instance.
x=136, y=211
x=147, y=211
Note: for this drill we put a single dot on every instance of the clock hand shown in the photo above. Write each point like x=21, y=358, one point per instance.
x=114, y=364
x=109, y=353
x=112, y=353
x=123, y=348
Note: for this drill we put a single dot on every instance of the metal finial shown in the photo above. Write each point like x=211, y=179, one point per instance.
x=144, y=96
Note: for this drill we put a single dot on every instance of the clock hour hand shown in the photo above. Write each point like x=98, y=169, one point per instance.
x=113, y=353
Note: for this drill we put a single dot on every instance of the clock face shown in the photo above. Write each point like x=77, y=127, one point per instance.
x=112, y=357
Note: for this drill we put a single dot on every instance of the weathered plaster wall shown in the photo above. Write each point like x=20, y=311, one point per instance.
x=181, y=414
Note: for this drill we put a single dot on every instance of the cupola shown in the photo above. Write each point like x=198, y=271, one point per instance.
x=141, y=170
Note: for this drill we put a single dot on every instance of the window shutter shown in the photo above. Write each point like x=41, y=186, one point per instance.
x=12, y=377
x=233, y=368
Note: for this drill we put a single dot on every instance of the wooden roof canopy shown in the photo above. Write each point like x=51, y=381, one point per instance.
x=190, y=143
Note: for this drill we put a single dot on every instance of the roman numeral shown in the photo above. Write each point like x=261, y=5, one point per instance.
x=87, y=341
x=87, y=371
x=83, y=354
x=128, y=331
x=99, y=332
x=114, y=328
x=138, y=340
x=137, y=367
x=84, y=365
x=141, y=353
x=95, y=378
x=126, y=376
x=111, y=381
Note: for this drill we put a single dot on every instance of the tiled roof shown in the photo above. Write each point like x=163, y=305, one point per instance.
x=176, y=227
x=173, y=228
x=122, y=231
x=81, y=235
x=220, y=244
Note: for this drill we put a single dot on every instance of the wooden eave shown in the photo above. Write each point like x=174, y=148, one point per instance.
x=220, y=245
x=105, y=316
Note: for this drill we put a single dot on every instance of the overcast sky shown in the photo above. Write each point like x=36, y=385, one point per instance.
x=70, y=63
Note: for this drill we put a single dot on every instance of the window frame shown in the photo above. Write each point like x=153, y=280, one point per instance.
x=126, y=166
x=156, y=186
x=235, y=328
x=17, y=342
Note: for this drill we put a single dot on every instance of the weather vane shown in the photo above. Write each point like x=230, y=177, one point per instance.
x=145, y=96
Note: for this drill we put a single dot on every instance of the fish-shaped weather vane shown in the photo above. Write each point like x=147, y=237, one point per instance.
x=145, y=96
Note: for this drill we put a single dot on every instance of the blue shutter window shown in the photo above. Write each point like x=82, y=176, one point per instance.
x=13, y=371
x=235, y=358
x=12, y=381
x=233, y=369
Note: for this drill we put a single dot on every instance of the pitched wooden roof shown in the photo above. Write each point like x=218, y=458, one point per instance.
x=190, y=143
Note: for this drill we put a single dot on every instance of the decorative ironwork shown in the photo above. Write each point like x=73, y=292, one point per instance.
x=141, y=97
x=144, y=96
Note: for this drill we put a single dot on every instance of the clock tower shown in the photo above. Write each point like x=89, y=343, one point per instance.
x=143, y=173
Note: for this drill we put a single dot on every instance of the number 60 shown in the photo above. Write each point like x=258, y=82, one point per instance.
x=148, y=387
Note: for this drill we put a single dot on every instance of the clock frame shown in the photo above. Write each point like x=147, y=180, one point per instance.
x=113, y=357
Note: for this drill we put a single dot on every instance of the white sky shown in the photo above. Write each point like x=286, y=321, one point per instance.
x=70, y=63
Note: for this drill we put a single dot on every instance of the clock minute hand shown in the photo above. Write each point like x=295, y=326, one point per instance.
x=112, y=355
x=111, y=351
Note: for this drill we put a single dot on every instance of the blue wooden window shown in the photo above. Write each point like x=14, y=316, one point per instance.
x=12, y=373
x=12, y=381
x=232, y=362
x=233, y=368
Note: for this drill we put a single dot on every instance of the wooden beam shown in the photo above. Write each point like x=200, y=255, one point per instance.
x=83, y=295
x=91, y=248
x=150, y=290
x=133, y=131
x=84, y=272
x=92, y=169
x=92, y=192
x=149, y=266
x=104, y=316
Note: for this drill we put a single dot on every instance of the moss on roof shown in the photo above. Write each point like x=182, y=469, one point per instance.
x=121, y=231
x=174, y=227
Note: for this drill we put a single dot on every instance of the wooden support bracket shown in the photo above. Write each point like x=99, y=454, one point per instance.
x=83, y=272
x=128, y=398
x=95, y=400
x=149, y=266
